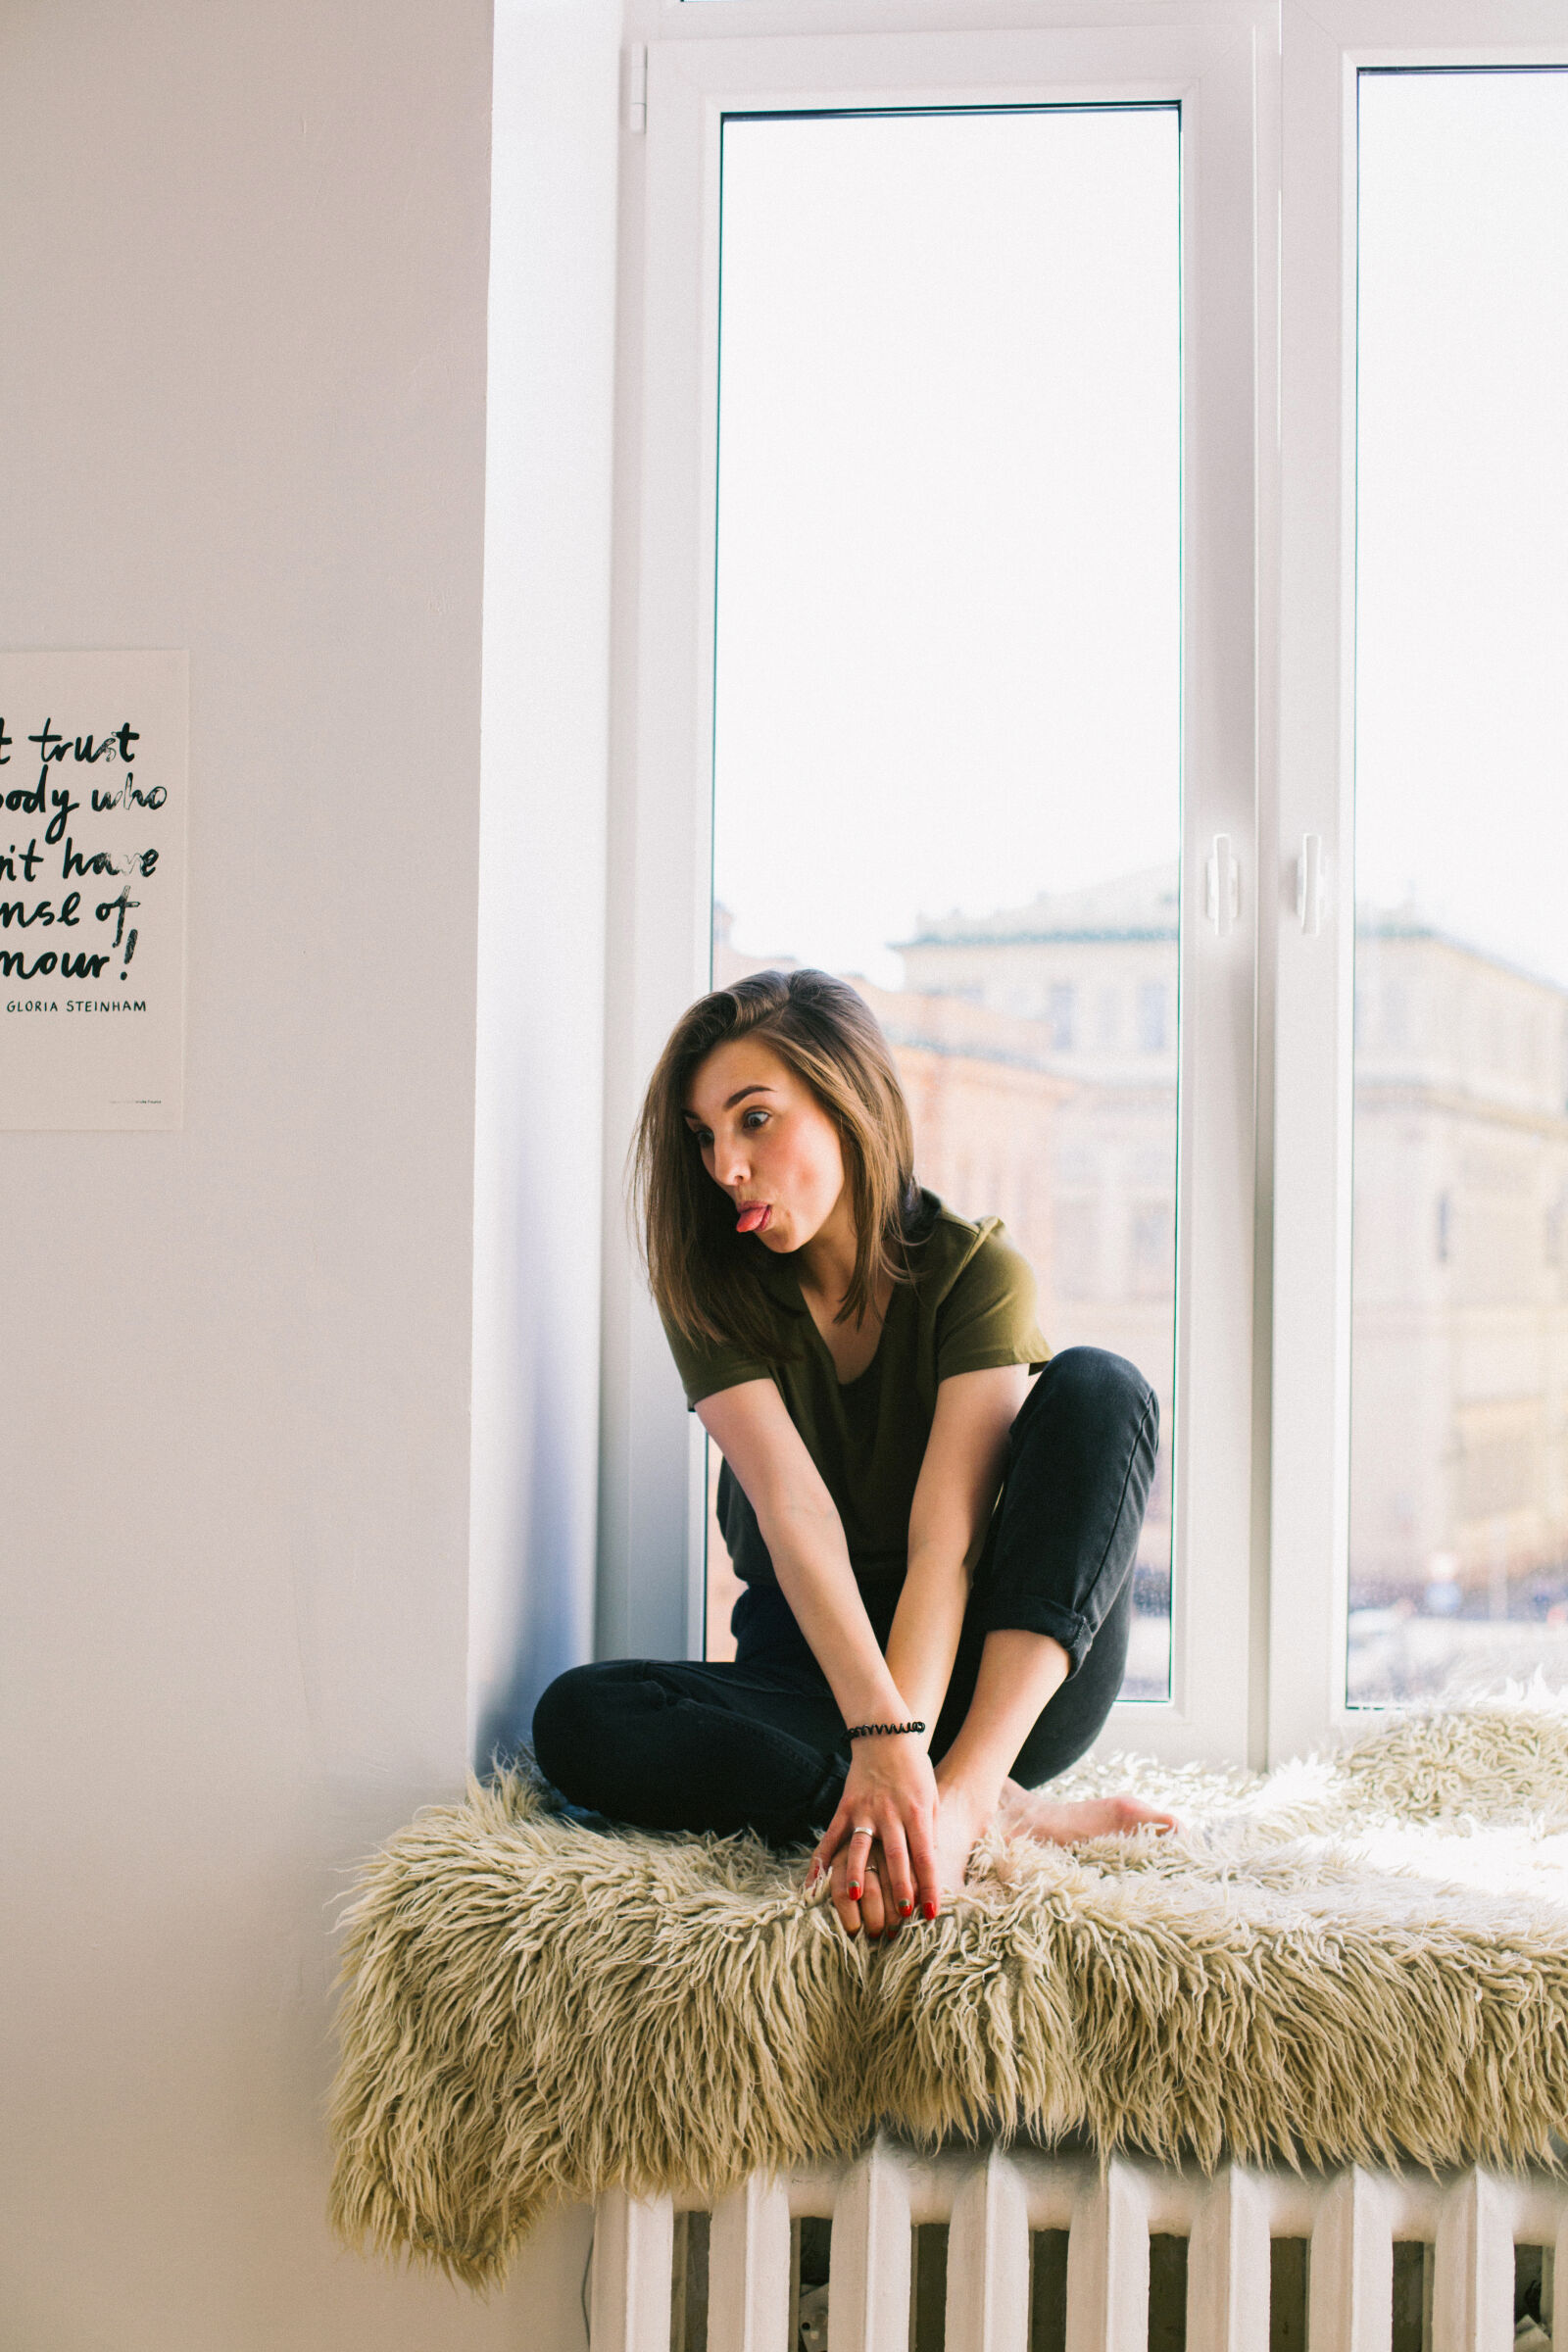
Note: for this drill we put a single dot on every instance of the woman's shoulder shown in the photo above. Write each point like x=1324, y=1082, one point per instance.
x=707, y=1363
x=947, y=1246
x=978, y=1297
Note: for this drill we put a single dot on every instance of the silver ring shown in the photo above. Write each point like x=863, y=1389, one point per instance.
x=861, y=1830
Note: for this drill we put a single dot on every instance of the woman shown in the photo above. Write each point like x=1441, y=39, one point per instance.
x=914, y=1658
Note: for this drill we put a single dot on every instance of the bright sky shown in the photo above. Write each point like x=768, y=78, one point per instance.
x=947, y=517
x=1462, y=655
x=949, y=521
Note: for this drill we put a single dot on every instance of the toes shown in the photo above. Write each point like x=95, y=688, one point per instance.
x=1133, y=1814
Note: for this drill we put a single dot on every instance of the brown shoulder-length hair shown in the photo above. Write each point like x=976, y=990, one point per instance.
x=706, y=1278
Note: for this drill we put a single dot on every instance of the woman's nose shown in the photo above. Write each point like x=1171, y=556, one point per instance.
x=730, y=1164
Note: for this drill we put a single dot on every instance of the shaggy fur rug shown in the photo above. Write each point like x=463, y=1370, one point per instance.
x=1361, y=1957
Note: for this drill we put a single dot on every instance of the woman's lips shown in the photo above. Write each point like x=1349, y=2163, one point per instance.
x=752, y=1218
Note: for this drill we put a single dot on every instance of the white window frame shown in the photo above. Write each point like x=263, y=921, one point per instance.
x=1217, y=62
x=1325, y=46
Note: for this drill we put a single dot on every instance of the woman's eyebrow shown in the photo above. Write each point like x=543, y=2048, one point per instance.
x=739, y=1095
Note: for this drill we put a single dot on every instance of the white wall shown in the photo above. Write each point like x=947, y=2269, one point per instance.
x=242, y=322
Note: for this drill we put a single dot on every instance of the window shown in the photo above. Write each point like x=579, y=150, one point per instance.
x=1417, y=1454
x=860, y=585
x=949, y=604
x=1458, y=1543
x=947, y=742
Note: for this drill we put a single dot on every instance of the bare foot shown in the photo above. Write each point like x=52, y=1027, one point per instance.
x=1030, y=1813
x=960, y=1822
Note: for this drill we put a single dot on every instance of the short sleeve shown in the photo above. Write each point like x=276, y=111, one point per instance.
x=988, y=1316
x=705, y=1366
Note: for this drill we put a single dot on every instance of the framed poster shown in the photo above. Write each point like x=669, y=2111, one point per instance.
x=93, y=793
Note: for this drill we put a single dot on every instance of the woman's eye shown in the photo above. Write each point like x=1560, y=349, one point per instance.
x=760, y=1116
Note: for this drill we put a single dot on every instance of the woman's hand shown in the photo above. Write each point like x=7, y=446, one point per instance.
x=880, y=1847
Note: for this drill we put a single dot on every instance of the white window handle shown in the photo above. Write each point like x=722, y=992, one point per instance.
x=1222, y=886
x=1311, y=884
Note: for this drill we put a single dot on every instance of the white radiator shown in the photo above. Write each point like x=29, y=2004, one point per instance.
x=1346, y=2230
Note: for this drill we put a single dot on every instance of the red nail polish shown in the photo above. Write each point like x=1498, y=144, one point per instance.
x=904, y=1909
x=854, y=1895
x=930, y=1910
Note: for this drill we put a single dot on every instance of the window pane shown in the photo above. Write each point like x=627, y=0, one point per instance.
x=1459, y=1369
x=947, y=724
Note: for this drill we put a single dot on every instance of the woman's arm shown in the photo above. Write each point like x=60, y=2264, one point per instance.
x=960, y=1476
x=891, y=1786
x=805, y=1538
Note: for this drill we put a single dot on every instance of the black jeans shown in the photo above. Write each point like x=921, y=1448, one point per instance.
x=759, y=1744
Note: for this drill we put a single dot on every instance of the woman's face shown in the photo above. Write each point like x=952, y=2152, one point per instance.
x=767, y=1142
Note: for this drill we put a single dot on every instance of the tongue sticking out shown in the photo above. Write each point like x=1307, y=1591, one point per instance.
x=749, y=1219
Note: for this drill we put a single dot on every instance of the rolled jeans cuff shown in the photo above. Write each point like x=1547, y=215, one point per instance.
x=1033, y=1613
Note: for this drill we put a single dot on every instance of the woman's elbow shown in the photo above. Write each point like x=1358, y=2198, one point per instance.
x=945, y=1554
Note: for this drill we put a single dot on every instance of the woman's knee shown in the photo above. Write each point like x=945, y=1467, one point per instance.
x=568, y=1726
x=1092, y=1390
x=1081, y=1460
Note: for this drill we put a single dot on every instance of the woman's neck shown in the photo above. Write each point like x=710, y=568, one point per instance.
x=827, y=1260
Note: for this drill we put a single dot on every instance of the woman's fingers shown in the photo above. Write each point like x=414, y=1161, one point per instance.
x=844, y=1903
x=857, y=1857
x=925, y=1870
x=880, y=1875
x=833, y=1840
x=848, y=1879
x=848, y=1911
x=830, y=1846
x=822, y=1859
x=859, y=1892
x=897, y=1878
x=872, y=1893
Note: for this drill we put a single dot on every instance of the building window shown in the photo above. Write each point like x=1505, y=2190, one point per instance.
x=1556, y=1224
x=1059, y=1016
x=1078, y=1274
x=1153, y=1261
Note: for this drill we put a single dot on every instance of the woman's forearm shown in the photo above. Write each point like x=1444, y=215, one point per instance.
x=811, y=1561
x=924, y=1640
x=954, y=1500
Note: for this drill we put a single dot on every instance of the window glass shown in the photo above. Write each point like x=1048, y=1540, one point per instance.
x=946, y=708
x=1458, y=1557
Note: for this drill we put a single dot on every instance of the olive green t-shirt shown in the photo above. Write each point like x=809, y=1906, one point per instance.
x=970, y=1306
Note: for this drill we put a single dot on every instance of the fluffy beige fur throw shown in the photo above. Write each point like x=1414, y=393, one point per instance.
x=1361, y=1957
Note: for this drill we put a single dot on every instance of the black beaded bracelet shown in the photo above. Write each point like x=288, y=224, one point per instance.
x=871, y=1731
